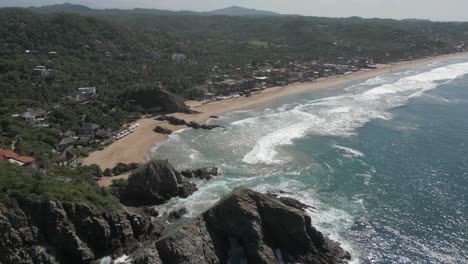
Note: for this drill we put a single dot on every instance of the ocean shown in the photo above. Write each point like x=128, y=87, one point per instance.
x=383, y=161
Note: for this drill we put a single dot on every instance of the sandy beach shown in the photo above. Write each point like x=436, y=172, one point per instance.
x=136, y=146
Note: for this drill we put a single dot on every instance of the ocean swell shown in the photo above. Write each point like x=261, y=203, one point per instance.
x=338, y=115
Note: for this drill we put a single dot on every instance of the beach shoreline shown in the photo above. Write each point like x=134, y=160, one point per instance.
x=137, y=146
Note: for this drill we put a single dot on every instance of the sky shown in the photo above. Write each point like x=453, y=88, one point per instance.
x=439, y=10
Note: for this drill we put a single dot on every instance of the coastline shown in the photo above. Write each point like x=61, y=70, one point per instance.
x=136, y=146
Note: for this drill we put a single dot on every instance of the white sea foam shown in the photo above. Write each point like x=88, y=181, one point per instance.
x=265, y=149
x=338, y=115
x=350, y=153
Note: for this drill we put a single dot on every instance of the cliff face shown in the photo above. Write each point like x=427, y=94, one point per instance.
x=156, y=183
x=251, y=226
x=245, y=226
x=50, y=232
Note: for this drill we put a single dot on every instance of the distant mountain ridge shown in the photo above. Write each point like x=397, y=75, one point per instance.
x=81, y=9
x=241, y=11
x=65, y=7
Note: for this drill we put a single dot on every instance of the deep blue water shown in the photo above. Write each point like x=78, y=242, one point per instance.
x=384, y=161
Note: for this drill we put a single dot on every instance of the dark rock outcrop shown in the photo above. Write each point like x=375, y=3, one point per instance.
x=252, y=226
x=156, y=183
x=146, y=254
x=162, y=130
x=172, y=120
x=203, y=173
x=210, y=127
x=263, y=228
x=196, y=125
x=53, y=232
x=177, y=214
x=180, y=122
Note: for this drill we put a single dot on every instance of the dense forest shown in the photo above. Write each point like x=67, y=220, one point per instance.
x=139, y=60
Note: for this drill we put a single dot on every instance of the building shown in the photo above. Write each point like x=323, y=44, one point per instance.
x=179, y=58
x=15, y=158
x=66, y=158
x=89, y=129
x=35, y=117
x=87, y=90
x=65, y=143
x=234, y=86
x=40, y=71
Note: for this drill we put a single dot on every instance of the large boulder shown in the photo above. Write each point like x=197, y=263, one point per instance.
x=55, y=232
x=251, y=226
x=156, y=183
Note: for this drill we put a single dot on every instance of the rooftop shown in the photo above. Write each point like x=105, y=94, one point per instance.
x=8, y=154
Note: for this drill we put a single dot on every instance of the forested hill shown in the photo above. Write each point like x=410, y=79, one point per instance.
x=75, y=51
x=79, y=51
x=275, y=37
x=68, y=34
x=117, y=51
x=306, y=37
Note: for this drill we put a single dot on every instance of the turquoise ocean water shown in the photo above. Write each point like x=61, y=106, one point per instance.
x=384, y=161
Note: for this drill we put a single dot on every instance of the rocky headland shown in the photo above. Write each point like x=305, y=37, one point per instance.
x=244, y=227
x=35, y=232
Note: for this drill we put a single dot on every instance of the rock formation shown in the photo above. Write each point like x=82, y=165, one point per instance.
x=176, y=215
x=53, y=232
x=254, y=227
x=196, y=125
x=172, y=120
x=245, y=225
x=203, y=173
x=156, y=183
x=180, y=122
x=162, y=130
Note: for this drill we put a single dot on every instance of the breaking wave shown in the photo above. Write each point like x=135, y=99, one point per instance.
x=338, y=115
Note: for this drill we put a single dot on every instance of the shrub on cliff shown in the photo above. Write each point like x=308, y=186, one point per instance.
x=57, y=184
x=119, y=183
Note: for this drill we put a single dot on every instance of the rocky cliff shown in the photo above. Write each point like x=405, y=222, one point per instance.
x=244, y=227
x=155, y=183
x=52, y=232
x=252, y=227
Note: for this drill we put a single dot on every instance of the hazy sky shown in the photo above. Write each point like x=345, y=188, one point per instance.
x=430, y=9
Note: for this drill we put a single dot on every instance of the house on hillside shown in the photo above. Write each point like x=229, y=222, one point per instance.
x=84, y=141
x=66, y=158
x=40, y=71
x=35, y=117
x=87, y=90
x=179, y=58
x=15, y=158
x=89, y=129
x=65, y=143
x=234, y=86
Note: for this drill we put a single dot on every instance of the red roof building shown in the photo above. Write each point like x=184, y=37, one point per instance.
x=17, y=159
